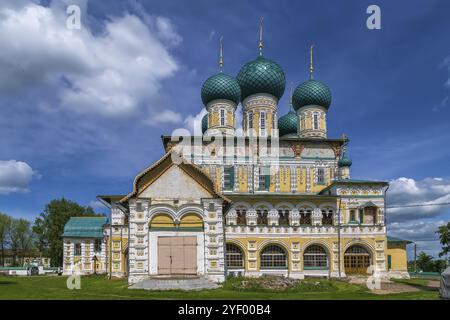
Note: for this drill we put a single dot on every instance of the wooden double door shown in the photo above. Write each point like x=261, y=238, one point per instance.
x=177, y=255
x=356, y=264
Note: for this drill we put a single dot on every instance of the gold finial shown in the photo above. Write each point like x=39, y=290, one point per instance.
x=260, y=35
x=311, y=66
x=221, y=55
x=291, y=93
x=344, y=145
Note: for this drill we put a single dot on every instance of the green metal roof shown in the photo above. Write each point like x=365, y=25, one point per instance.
x=311, y=92
x=393, y=239
x=85, y=227
x=221, y=86
x=205, y=123
x=358, y=181
x=287, y=124
x=261, y=76
x=344, y=161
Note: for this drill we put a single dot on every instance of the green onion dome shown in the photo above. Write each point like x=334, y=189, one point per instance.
x=311, y=92
x=287, y=124
x=261, y=76
x=344, y=161
x=221, y=86
x=205, y=123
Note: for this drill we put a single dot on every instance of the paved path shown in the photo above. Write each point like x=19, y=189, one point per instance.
x=186, y=284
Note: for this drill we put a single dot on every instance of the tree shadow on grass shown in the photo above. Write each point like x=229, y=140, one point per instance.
x=422, y=287
x=7, y=283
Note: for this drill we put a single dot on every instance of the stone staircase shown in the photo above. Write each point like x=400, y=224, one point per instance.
x=187, y=284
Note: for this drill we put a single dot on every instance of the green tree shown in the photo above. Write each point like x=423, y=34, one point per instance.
x=444, y=239
x=49, y=226
x=424, y=262
x=21, y=238
x=5, y=228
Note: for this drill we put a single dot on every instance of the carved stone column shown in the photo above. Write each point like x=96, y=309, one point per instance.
x=251, y=217
x=273, y=217
x=294, y=218
x=316, y=217
x=231, y=217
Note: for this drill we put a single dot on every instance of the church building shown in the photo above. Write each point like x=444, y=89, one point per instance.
x=273, y=198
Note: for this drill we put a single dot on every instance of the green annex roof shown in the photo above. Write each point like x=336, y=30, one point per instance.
x=393, y=240
x=358, y=181
x=85, y=227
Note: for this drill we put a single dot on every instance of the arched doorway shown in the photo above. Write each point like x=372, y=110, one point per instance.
x=234, y=256
x=357, y=260
x=273, y=257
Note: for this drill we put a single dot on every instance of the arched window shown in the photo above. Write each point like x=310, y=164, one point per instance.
x=262, y=217
x=234, y=256
x=241, y=217
x=222, y=117
x=315, y=257
x=77, y=249
x=273, y=257
x=316, y=121
x=283, y=217
x=327, y=216
x=305, y=216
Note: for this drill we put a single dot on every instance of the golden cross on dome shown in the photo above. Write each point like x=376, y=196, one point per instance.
x=311, y=66
x=290, y=101
x=260, y=35
x=221, y=55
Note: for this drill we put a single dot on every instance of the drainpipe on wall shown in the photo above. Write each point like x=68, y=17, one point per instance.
x=110, y=248
x=225, y=269
x=385, y=215
x=339, y=238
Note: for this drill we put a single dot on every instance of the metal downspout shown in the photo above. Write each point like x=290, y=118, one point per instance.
x=339, y=238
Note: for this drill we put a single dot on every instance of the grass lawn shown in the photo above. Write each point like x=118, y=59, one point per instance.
x=98, y=287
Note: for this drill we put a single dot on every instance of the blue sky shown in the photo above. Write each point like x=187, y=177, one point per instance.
x=82, y=111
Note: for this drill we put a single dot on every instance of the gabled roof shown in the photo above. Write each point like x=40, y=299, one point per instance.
x=352, y=181
x=150, y=174
x=85, y=227
x=368, y=204
x=397, y=240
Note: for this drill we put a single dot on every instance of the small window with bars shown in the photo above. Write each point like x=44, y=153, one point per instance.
x=77, y=249
x=222, y=117
x=250, y=120
x=98, y=245
x=320, y=176
x=264, y=179
x=316, y=121
x=228, y=178
x=262, y=122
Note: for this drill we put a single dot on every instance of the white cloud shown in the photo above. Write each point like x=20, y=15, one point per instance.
x=112, y=73
x=164, y=117
x=166, y=31
x=15, y=176
x=422, y=232
x=405, y=191
x=193, y=123
x=97, y=205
